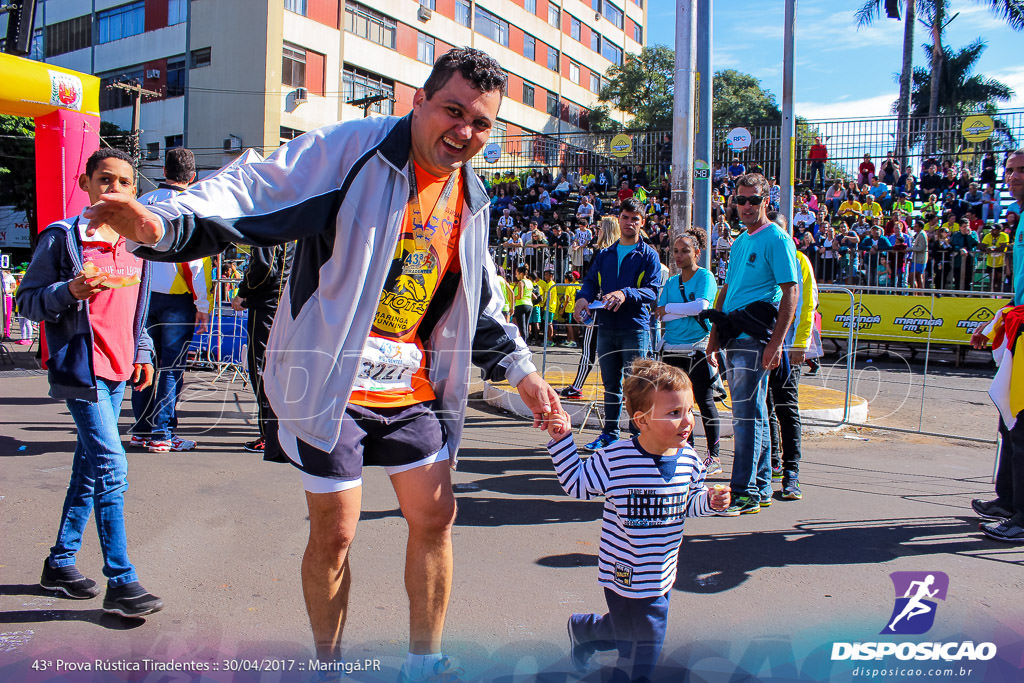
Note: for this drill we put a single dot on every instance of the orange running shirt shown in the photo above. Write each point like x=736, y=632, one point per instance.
x=393, y=369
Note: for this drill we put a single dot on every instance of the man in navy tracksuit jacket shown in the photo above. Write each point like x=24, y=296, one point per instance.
x=626, y=277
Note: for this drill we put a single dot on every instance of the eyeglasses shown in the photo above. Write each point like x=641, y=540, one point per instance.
x=754, y=199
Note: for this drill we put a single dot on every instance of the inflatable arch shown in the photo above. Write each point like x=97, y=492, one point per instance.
x=66, y=107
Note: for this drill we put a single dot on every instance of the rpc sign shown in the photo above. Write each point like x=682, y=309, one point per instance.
x=738, y=139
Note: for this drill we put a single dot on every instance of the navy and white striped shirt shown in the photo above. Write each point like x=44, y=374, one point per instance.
x=647, y=498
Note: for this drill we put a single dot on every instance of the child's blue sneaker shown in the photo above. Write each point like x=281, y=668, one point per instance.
x=602, y=441
x=579, y=659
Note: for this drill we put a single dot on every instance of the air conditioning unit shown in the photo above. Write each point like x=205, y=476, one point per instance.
x=152, y=73
x=423, y=13
x=597, y=16
x=232, y=143
x=301, y=95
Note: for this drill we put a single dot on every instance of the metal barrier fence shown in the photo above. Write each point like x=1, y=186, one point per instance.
x=847, y=141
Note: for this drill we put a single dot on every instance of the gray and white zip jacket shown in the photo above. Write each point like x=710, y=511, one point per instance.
x=341, y=191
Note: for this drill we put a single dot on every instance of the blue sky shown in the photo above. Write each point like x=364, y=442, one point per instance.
x=841, y=71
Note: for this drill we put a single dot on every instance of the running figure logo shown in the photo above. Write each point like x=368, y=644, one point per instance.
x=914, y=610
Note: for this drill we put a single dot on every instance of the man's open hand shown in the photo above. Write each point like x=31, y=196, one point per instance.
x=125, y=216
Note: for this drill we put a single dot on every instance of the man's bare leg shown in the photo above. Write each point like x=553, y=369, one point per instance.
x=428, y=505
x=326, y=578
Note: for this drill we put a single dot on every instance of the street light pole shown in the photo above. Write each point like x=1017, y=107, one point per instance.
x=702, y=153
x=786, y=175
x=682, y=115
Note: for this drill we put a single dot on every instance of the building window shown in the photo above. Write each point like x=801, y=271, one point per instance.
x=554, y=15
x=36, y=51
x=638, y=33
x=115, y=98
x=173, y=141
x=357, y=84
x=201, y=57
x=293, y=66
x=528, y=94
x=529, y=47
x=553, y=59
x=491, y=26
x=574, y=114
x=531, y=6
x=639, y=3
x=176, y=77
x=152, y=151
x=176, y=11
x=289, y=134
x=574, y=72
x=611, y=52
x=297, y=6
x=574, y=28
x=364, y=22
x=595, y=83
x=68, y=36
x=462, y=12
x=552, y=104
x=612, y=13
x=425, y=49
x=595, y=41
x=121, y=22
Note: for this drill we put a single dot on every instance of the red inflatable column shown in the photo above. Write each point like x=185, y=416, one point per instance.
x=64, y=141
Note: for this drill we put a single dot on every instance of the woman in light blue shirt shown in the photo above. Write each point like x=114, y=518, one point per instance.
x=682, y=298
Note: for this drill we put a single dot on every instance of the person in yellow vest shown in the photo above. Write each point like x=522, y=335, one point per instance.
x=180, y=302
x=548, y=303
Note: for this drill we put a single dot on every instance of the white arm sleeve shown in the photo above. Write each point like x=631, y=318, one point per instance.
x=684, y=310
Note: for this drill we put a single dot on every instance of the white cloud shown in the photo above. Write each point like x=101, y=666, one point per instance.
x=1013, y=77
x=848, y=109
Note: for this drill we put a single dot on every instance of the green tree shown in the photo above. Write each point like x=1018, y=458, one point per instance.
x=18, y=165
x=601, y=120
x=642, y=87
x=739, y=100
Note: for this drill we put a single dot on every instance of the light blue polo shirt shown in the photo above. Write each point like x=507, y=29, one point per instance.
x=1018, y=258
x=757, y=265
x=701, y=286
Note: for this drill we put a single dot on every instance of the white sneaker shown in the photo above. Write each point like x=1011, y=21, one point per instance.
x=715, y=467
x=446, y=670
x=174, y=444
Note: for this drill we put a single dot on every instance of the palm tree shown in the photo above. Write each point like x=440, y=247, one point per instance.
x=959, y=90
x=934, y=16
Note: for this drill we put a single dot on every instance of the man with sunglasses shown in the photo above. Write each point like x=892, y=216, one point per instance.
x=762, y=268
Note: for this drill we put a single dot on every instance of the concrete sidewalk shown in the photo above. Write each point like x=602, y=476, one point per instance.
x=219, y=535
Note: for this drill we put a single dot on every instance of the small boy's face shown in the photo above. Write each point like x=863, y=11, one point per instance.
x=670, y=420
x=111, y=176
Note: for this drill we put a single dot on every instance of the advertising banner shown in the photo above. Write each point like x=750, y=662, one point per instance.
x=911, y=318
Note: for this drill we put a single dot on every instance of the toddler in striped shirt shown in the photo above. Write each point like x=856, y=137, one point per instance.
x=650, y=484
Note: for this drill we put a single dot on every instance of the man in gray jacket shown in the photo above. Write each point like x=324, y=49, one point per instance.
x=392, y=297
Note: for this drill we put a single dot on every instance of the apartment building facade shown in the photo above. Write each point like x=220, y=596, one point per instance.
x=232, y=74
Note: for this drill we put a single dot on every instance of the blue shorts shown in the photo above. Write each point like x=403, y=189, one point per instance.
x=917, y=267
x=396, y=439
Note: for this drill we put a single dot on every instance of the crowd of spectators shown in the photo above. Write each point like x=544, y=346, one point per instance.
x=941, y=226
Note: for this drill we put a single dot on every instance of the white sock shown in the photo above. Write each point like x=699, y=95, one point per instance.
x=420, y=666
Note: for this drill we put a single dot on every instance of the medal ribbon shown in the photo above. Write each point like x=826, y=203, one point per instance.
x=418, y=228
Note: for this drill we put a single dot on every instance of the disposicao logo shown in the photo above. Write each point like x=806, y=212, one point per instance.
x=914, y=610
x=913, y=613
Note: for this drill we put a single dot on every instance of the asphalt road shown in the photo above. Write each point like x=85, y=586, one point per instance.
x=219, y=535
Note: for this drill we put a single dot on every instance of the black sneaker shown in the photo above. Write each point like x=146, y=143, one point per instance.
x=69, y=581
x=814, y=367
x=257, y=446
x=571, y=392
x=131, y=600
x=1008, y=530
x=990, y=510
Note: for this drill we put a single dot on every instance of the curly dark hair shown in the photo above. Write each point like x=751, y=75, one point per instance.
x=179, y=165
x=476, y=66
x=698, y=236
x=106, y=153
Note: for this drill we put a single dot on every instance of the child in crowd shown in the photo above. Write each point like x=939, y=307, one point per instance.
x=651, y=483
x=93, y=295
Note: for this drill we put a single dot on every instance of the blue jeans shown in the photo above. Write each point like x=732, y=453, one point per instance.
x=616, y=349
x=633, y=626
x=171, y=322
x=818, y=169
x=748, y=390
x=99, y=478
